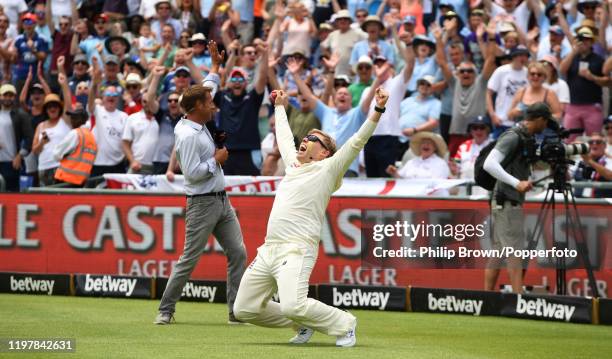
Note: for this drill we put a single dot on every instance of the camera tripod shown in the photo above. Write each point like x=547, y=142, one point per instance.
x=572, y=223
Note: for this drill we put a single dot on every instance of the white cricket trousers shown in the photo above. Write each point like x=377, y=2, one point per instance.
x=286, y=268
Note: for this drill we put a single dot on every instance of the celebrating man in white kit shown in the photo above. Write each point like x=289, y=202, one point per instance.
x=286, y=259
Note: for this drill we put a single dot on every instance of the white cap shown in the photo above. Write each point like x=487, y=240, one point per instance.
x=427, y=78
x=133, y=78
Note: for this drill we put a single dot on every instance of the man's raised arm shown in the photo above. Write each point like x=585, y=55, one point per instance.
x=284, y=137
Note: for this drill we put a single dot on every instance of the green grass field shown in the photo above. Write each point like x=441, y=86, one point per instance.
x=122, y=328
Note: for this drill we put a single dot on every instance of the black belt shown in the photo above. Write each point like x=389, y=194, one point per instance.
x=209, y=194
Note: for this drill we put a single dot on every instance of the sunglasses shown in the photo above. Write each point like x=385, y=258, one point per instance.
x=466, y=71
x=132, y=86
x=237, y=80
x=361, y=16
x=111, y=94
x=199, y=42
x=596, y=142
x=81, y=63
x=28, y=22
x=589, y=7
x=478, y=127
x=163, y=7
x=363, y=67
x=182, y=75
x=313, y=138
x=536, y=74
x=173, y=100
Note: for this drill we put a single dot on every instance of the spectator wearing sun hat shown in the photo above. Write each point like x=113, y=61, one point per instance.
x=342, y=41
x=373, y=45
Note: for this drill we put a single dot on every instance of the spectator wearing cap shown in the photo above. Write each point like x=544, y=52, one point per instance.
x=382, y=148
x=586, y=10
x=555, y=44
x=453, y=26
x=107, y=124
x=111, y=77
x=464, y=159
x=504, y=84
x=166, y=53
x=419, y=112
x=299, y=29
x=28, y=49
x=342, y=41
x=48, y=135
x=554, y=83
x=469, y=87
x=132, y=97
x=315, y=48
x=42, y=28
x=201, y=59
x=178, y=80
x=15, y=137
x=372, y=46
x=430, y=150
x=76, y=153
x=80, y=67
x=456, y=55
x=246, y=57
x=90, y=45
x=343, y=121
x=594, y=167
x=163, y=9
x=61, y=38
x=239, y=118
x=582, y=69
x=512, y=11
x=425, y=64
x=6, y=56
x=460, y=7
x=306, y=73
x=364, y=71
x=534, y=92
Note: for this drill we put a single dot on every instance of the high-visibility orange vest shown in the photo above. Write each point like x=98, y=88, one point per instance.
x=76, y=167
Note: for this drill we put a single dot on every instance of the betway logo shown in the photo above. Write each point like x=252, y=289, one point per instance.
x=29, y=284
x=541, y=308
x=110, y=284
x=359, y=298
x=453, y=305
x=192, y=290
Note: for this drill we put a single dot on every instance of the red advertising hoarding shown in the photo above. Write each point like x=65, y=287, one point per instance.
x=143, y=235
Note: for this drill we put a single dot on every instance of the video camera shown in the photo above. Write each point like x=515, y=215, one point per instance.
x=553, y=150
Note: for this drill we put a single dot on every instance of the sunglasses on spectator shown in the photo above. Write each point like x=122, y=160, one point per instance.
x=81, y=63
x=182, y=75
x=132, y=86
x=596, y=142
x=589, y=7
x=237, y=80
x=199, y=42
x=28, y=22
x=163, y=7
x=363, y=67
x=173, y=100
x=466, y=71
x=478, y=127
x=536, y=74
x=111, y=94
x=359, y=16
x=340, y=84
x=313, y=138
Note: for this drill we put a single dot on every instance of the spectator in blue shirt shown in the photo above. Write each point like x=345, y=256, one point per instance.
x=425, y=63
x=90, y=46
x=421, y=111
x=164, y=16
x=372, y=46
x=344, y=120
x=29, y=48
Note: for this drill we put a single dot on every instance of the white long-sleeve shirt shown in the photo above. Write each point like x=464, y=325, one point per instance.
x=303, y=194
x=68, y=144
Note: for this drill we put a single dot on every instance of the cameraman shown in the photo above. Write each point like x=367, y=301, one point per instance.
x=595, y=166
x=509, y=191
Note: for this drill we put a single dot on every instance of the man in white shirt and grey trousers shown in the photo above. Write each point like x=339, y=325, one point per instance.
x=208, y=208
x=286, y=259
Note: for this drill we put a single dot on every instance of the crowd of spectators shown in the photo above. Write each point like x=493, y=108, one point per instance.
x=458, y=72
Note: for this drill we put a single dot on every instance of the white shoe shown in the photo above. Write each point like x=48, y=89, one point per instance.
x=303, y=336
x=349, y=339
